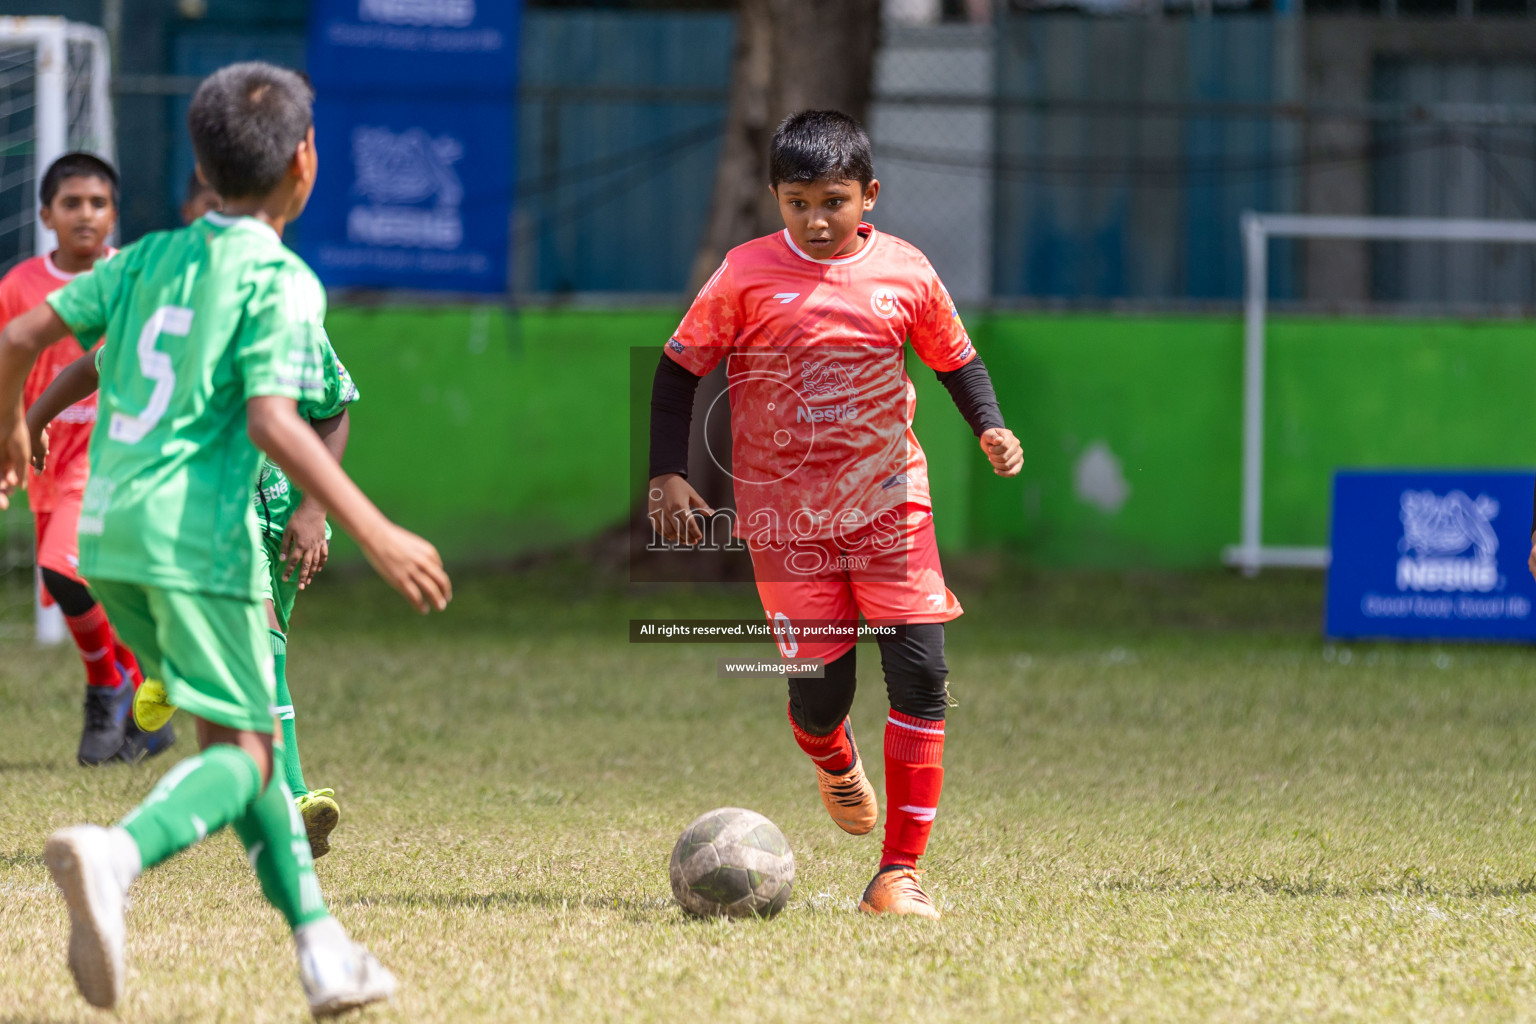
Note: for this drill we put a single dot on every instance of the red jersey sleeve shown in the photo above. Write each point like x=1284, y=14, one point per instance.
x=938, y=336
x=8, y=303
x=710, y=327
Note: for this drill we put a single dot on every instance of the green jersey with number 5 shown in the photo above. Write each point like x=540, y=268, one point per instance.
x=197, y=321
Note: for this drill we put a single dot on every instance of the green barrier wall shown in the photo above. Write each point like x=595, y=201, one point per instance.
x=1164, y=395
x=495, y=434
x=491, y=434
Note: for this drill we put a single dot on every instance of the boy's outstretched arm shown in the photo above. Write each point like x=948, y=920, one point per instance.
x=407, y=562
x=971, y=388
x=22, y=341
x=304, y=547
x=75, y=383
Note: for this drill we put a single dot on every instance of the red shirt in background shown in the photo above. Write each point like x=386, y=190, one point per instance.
x=27, y=284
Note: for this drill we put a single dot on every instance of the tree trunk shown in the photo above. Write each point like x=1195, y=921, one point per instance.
x=791, y=55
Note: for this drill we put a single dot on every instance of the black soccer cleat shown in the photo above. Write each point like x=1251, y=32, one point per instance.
x=138, y=744
x=106, y=722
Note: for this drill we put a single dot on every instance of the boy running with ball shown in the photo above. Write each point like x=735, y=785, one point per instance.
x=831, y=485
x=79, y=204
x=214, y=335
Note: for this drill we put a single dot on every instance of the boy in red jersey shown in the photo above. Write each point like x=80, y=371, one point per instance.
x=79, y=203
x=831, y=485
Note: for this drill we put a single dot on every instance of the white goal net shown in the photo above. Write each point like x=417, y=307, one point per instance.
x=55, y=79
x=1251, y=553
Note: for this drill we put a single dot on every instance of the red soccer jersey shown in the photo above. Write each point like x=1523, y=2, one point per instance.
x=821, y=407
x=28, y=283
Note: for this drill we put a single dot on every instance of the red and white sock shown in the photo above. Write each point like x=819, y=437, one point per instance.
x=832, y=752
x=98, y=646
x=914, y=778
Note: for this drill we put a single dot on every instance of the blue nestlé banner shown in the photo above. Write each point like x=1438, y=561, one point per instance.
x=410, y=195
x=414, y=45
x=414, y=117
x=1432, y=555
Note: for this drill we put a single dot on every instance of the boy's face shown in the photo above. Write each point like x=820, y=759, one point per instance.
x=82, y=214
x=823, y=216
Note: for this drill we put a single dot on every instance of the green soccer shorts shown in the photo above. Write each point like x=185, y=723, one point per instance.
x=282, y=593
x=213, y=653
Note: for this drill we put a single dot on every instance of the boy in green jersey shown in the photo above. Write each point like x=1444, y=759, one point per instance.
x=295, y=542
x=213, y=336
x=295, y=545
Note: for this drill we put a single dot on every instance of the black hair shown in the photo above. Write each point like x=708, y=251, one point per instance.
x=819, y=145
x=196, y=186
x=246, y=120
x=75, y=165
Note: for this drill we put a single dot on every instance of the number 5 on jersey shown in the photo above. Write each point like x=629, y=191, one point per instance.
x=156, y=366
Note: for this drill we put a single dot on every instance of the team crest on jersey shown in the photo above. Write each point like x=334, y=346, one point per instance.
x=883, y=302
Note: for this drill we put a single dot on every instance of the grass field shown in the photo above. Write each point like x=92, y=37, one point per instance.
x=1166, y=800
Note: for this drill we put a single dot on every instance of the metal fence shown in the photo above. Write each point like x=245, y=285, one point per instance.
x=620, y=117
x=1060, y=158
x=1127, y=150
x=1049, y=157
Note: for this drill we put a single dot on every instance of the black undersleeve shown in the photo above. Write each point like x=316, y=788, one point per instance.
x=672, y=393
x=971, y=388
x=71, y=597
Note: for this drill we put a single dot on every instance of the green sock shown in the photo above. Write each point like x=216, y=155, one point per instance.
x=293, y=771
x=275, y=842
x=195, y=799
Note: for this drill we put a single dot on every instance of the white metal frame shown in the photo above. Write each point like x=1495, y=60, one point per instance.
x=52, y=36
x=1258, y=228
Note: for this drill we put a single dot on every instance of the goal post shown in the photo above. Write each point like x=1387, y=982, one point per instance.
x=1251, y=554
x=55, y=96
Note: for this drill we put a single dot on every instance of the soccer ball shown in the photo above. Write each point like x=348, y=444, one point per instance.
x=732, y=863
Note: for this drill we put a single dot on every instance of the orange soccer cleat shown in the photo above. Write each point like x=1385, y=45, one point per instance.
x=897, y=891
x=849, y=797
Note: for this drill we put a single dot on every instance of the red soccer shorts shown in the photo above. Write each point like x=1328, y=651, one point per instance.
x=890, y=576
x=58, y=543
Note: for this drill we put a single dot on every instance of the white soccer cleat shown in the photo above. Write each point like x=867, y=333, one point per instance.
x=92, y=867
x=338, y=974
